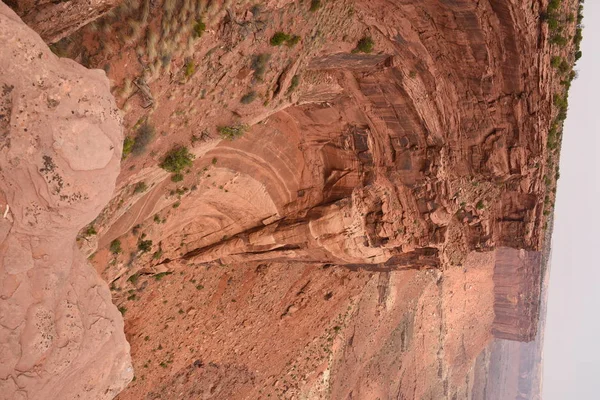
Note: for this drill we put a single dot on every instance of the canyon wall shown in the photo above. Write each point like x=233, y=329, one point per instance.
x=517, y=292
x=366, y=180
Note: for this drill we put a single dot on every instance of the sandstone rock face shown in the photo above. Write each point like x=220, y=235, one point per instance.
x=60, y=148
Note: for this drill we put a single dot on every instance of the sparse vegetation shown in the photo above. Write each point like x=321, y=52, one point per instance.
x=294, y=83
x=90, y=231
x=259, y=65
x=315, y=5
x=115, y=247
x=232, y=132
x=140, y=187
x=292, y=41
x=127, y=146
x=144, y=245
x=161, y=275
x=177, y=177
x=364, y=45
x=248, y=97
x=176, y=161
x=133, y=278
x=480, y=205
x=143, y=137
x=199, y=28
x=279, y=38
x=189, y=68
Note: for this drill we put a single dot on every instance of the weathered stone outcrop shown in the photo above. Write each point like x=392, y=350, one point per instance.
x=54, y=20
x=60, y=148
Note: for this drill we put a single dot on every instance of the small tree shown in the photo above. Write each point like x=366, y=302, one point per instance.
x=364, y=45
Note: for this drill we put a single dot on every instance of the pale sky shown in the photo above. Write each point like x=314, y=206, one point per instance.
x=572, y=342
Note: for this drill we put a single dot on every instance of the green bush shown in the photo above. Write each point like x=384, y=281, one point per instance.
x=364, y=45
x=189, y=68
x=279, y=38
x=315, y=5
x=127, y=146
x=145, y=245
x=294, y=83
x=559, y=40
x=199, y=28
x=90, y=231
x=140, y=187
x=233, y=131
x=177, y=160
x=115, y=246
x=177, y=177
x=555, y=61
x=248, y=97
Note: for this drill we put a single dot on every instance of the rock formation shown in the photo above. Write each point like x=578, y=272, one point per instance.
x=55, y=20
x=60, y=148
x=355, y=165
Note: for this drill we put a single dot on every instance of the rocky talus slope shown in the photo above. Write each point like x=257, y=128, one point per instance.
x=60, y=148
x=311, y=193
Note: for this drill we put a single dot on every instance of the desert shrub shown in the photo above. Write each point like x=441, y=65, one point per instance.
x=144, y=245
x=143, y=137
x=136, y=229
x=555, y=61
x=90, y=231
x=161, y=275
x=564, y=67
x=177, y=177
x=292, y=41
x=559, y=40
x=279, y=38
x=480, y=205
x=553, y=6
x=315, y=5
x=115, y=246
x=157, y=254
x=256, y=10
x=177, y=159
x=232, y=132
x=578, y=55
x=364, y=45
x=199, y=28
x=248, y=97
x=128, y=146
x=140, y=187
x=560, y=101
x=259, y=64
x=578, y=37
x=189, y=68
x=294, y=83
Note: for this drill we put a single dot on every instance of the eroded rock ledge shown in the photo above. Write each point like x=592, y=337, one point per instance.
x=60, y=148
